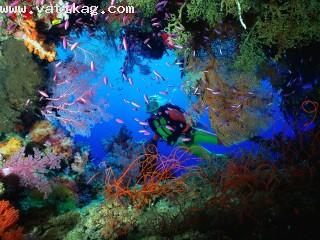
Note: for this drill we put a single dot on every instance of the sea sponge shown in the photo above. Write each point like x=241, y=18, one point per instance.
x=11, y=146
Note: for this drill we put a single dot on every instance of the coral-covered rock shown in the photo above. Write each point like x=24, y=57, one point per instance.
x=20, y=78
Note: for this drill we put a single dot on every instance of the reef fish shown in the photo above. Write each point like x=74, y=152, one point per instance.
x=135, y=104
x=186, y=139
x=146, y=99
x=44, y=94
x=130, y=81
x=144, y=123
x=105, y=80
x=119, y=120
x=158, y=75
x=64, y=42
x=66, y=25
x=74, y=46
x=92, y=66
x=125, y=44
x=164, y=92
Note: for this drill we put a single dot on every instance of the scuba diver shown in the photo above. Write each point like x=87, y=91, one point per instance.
x=169, y=123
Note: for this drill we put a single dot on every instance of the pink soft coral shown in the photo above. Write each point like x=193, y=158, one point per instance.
x=32, y=170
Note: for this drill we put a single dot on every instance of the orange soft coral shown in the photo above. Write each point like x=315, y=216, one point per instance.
x=35, y=43
x=8, y=218
x=41, y=130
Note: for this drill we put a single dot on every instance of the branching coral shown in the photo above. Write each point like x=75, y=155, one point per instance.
x=32, y=170
x=276, y=26
x=8, y=218
x=157, y=179
x=71, y=103
x=80, y=161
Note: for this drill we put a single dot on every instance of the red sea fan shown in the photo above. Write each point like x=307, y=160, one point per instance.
x=8, y=218
x=32, y=170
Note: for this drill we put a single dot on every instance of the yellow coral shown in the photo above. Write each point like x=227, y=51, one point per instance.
x=35, y=43
x=10, y=146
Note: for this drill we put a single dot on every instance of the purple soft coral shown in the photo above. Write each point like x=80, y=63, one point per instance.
x=32, y=170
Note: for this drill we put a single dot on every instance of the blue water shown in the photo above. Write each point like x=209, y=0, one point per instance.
x=108, y=62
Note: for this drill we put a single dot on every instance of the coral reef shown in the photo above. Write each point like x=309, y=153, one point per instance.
x=20, y=77
x=245, y=64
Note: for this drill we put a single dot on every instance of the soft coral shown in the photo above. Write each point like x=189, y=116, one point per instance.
x=32, y=170
x=8, y=218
